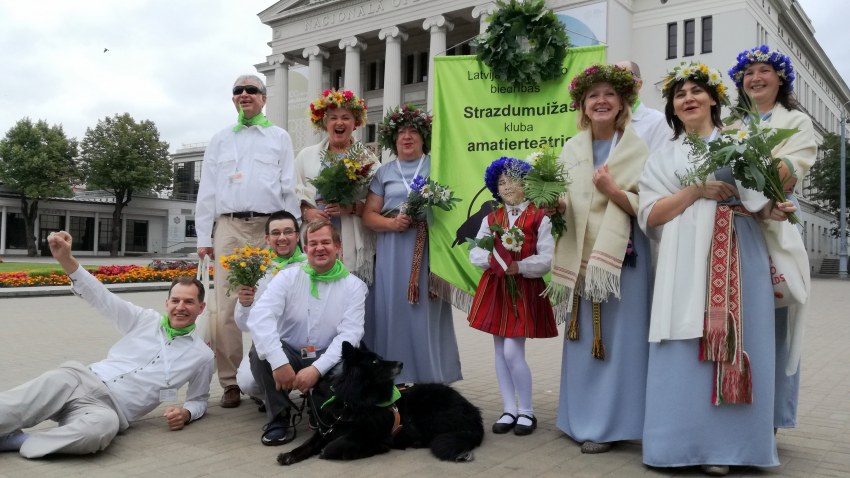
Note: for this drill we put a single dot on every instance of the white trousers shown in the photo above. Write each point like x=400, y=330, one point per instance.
x=71, y=395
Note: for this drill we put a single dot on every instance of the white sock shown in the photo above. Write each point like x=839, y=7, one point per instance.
x=13, y=441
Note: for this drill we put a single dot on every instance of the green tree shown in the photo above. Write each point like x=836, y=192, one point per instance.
x=124, y=157
x=825, y=175
x=37, y=162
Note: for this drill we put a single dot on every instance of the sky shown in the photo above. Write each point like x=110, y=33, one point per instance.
x=173, y=62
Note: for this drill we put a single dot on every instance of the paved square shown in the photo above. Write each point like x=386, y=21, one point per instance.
x=39, y=333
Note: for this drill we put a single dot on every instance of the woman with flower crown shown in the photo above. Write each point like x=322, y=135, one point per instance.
x=765, y=81
x=508, y=303
x=338, y=113
x=601, y=271
x=420, y=334
x=710, y=381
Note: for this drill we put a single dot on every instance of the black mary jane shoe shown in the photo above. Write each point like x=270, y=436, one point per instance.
x=520, y=429
x=501, y=428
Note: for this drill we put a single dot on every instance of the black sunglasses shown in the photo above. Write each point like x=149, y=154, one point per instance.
x=250, y=89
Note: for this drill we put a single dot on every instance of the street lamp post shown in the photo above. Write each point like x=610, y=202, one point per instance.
x=842, y=206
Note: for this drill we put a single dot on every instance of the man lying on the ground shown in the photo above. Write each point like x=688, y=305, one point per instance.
x=157, y=355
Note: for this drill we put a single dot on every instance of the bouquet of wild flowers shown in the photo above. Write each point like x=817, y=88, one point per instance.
x=425, y=194
x=501, y=244
x=345, y=180
x=247, y=266
x=749, y=153
x=545, y=183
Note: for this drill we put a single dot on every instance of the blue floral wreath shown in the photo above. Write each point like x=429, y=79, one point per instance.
x=762, y=54
x=513, y=167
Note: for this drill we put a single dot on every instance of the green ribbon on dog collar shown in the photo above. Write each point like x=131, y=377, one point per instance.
x=394, y=398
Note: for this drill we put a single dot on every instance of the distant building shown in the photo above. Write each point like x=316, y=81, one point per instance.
x=382, y=50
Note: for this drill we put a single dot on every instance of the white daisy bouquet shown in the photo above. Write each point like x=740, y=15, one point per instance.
x=426, y=194
x=501, y=244
x=748, y=152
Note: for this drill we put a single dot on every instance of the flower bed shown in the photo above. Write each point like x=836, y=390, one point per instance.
x=156, y=272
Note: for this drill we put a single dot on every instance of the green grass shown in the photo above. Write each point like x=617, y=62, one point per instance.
x=33, y=267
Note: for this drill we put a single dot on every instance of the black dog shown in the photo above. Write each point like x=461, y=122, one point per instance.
x=361, y=419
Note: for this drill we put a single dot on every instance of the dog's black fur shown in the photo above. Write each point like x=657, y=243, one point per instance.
x=352, y=426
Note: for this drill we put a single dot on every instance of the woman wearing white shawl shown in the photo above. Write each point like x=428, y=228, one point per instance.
x=767, y=78
x=710, y=380
x=601, y=270
x=338, y=113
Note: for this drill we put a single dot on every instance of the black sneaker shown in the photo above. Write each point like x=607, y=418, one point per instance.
x=278, y=432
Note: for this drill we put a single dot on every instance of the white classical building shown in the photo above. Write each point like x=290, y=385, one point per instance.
x=382, y=50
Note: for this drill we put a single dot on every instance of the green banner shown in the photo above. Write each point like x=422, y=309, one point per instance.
x=476, y=121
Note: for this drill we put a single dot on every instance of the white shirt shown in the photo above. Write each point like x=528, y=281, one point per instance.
x=250, y=170
x=136, y=367
x=240, y=313
x=533, y=266
x=287, y=311
x=651, y=125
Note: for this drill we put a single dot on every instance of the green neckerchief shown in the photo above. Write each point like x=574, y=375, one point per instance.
x=635, y=106
x=171, y=331
x=394, y=398
x=281, y=262
x=338, y=271
x=258, y=120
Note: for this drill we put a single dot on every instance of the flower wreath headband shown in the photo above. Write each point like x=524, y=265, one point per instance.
x=512, y=167
x=623, y=81
x=331, y=99
x=695, y=71
x=400, y=117
x=762, y=54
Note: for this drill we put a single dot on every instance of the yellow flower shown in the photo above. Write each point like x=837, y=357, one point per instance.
x=242, y=264
x=263, y=268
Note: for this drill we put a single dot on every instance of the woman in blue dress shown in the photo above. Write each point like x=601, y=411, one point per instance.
x=765, y=81
x=710, y=381
x=601, y=269
x=414, y=329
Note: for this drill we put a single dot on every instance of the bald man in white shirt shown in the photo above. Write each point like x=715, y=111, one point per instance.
x=649, y=124
x=156, y=356
x=248, y=173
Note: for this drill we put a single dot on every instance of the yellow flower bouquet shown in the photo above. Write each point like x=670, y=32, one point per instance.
x=247, y=266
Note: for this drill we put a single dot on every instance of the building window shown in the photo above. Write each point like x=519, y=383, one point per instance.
x=16, y=236
x=672, y=40
x=82, y=230
x=371, y=133
x=187, y=179
x=104, y=235
x=463, y=49
x=190, y=228
x=423, y=66
x=376, y=75
x=707, y=29
x=690, y=32
x=409, y=65
x=337, y=79
x=136, y=238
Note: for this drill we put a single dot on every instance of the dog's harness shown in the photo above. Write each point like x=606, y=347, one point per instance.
x=390, y=404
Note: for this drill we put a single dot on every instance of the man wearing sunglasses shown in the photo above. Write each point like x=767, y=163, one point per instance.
x=248, y=173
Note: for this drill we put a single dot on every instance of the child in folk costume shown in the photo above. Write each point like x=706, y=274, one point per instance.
x=508, y=302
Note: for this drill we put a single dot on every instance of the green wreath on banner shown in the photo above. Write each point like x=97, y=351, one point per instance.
x=501, y=47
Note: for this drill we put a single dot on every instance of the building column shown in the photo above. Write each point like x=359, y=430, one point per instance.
x=353, y=46
x=392, y=72
x=278, y=110
x=96, y=233
x=438, y=25
x=3, y=215
x=123, y=245
x=316, y=56
x=481, y=12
